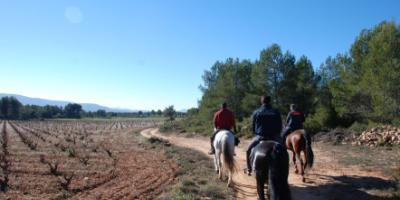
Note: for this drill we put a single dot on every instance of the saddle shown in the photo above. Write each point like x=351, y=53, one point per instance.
x=266, y=138
x=237, y=141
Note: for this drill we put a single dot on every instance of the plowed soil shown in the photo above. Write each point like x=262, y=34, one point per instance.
x=117, y=167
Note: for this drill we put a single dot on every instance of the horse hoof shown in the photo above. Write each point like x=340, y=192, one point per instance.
x=304, y=180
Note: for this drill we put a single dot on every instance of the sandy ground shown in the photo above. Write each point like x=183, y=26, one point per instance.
x=327, y=180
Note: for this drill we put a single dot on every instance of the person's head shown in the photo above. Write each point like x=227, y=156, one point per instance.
x=223, y=105
x=266, y=100
x=293, y=107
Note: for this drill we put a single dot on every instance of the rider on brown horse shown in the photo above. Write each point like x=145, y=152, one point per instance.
x=294, y=121
x=266, y=125
x=224, y=119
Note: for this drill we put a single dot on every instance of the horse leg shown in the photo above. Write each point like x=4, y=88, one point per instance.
x=301, y=167
x=221, y=169
x=216, y=163
x=305, y=163
x=294, y=162
x=298, y=155
x=260, y=178
x=266, y=188
x=229, y=179
x=305, y=159
x=232, y=150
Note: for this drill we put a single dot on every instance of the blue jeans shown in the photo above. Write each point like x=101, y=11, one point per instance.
x=286, y=132
x=257, y=139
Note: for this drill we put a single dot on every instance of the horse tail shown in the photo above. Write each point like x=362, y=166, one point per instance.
x=278, y=173
x=228, y=151
x=309, y=151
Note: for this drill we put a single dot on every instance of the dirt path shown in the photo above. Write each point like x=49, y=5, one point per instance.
x=327, y=180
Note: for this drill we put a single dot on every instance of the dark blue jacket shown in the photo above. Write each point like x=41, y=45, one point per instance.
x=295, y=120
x=267, y=122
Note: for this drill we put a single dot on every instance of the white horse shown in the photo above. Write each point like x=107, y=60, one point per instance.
x=224, y=144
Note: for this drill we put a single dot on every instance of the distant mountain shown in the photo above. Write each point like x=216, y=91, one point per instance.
x=42, y=102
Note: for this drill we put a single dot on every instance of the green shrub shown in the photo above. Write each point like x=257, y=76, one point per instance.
x=169, y=126
x=178, y=195
x=396, y=122
x=244, y=128
x=317, y=122
x=312, y=125
x=213, y=191
x=358, y=127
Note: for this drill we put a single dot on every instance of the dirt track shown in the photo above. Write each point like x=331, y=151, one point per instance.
x=327, y=180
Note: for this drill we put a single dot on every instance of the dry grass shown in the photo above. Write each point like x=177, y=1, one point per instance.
x=196, y=177
x=384, y=160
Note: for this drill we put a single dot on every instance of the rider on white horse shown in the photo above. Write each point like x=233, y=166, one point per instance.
x=266, y=125
x=224, y=119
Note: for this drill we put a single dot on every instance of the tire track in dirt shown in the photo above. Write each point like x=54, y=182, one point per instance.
x=324, y=181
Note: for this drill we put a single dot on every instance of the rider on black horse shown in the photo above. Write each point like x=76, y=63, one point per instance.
x=266, y=125
x=294, y=121
x=224, y=119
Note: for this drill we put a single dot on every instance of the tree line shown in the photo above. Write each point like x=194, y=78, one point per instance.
x=169, y=112
x=361, y=86
x=11, y=108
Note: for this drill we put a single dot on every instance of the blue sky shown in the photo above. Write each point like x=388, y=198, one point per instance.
x=151, y=54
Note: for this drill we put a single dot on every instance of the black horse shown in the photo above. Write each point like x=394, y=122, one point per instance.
x=270, y=162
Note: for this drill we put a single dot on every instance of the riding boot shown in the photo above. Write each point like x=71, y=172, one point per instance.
x=284, y=134
x=283, y=140
x=252, y=144
x=249, y=168
x=212, y=150
x=248, y=165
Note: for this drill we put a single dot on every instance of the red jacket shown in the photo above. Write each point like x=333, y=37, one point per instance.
x=224, y=119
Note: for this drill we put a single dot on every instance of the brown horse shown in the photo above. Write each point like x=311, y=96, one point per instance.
x=298, y=141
